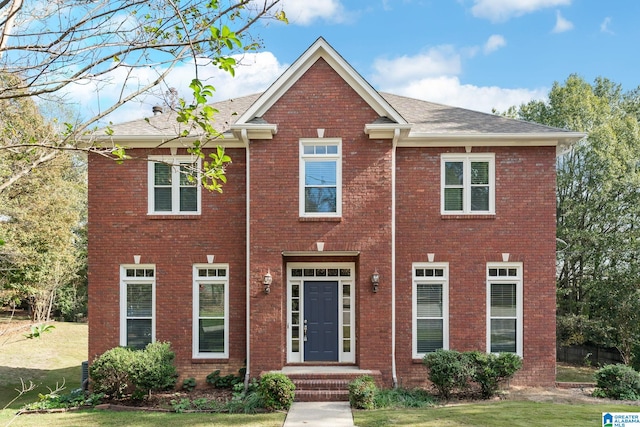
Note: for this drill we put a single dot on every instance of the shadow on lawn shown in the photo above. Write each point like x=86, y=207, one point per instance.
x=10, y=381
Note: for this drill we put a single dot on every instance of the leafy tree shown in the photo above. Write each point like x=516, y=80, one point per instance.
x=598, y=215
x=44, y=210
x=79, y=42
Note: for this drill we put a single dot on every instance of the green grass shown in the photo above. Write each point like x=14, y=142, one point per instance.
x=55, y=357
x=575, y=374
x=138, y=419
x=494, y=414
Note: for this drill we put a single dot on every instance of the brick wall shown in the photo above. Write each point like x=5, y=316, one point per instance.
x=524, y=227
x=321, y=99
x=120, y=228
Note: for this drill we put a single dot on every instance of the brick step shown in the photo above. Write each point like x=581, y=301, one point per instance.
x=322, y=396
x=325, y=383
x=321, y=384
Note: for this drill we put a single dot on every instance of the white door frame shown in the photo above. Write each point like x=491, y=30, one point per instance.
x=342, y=272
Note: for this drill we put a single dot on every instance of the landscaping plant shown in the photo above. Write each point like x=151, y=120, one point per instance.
x=277, y=390
x=617, y=382
x=362, y=392
x=490, y=370
x=448, y=370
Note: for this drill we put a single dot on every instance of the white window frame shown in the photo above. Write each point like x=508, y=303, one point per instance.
x=518, y=281
x=197, y=281
x=304, y=158
x=124, y=282
x=444, y=282
x=467, y=159
x=175, y=184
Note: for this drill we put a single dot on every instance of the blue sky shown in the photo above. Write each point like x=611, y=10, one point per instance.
x=477, y=54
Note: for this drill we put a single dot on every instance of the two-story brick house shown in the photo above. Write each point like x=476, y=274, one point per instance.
x=357, y=228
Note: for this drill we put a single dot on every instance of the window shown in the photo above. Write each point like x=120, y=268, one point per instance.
x=211, y=311
x=173, y=187
x=468, y=184
x=430, y=308
x=504, y=305
x=137, y=305
x=320, y=177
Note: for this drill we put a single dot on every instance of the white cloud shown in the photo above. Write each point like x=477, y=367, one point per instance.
x=604, y=26
x=433, y=76
x=503, y=10
x=254, y=74
x=494, y=43
x=562, y=24
x=449, y=90
x=305, y=12
x=435, y=62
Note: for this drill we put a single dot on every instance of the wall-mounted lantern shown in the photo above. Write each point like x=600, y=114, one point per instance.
x=375, y=280
x=266, y=281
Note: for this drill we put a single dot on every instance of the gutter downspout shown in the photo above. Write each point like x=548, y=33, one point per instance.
x=245, y=140
x=396, y=137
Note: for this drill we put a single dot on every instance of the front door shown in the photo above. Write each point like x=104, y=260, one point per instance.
x=321, y=321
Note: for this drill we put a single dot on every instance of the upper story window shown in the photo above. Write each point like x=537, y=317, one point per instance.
x=468, y=183
x=321, y=177
x=173, y=185
x=504, y=307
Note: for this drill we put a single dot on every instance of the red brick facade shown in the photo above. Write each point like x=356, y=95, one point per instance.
x=523, y=226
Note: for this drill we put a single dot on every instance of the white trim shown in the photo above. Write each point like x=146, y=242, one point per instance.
x=419, y=280
x=518, y=281
x=197, y=281
x=124, y=282
x=175, y=184
x=320, y=49
x=305, y=159
x=467, y=159
x=343, y=356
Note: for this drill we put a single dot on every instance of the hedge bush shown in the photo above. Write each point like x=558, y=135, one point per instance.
x=122, y=371
x=617, y=382
x=153, y=368
x=448, y=370
x=489, y=370
x=110, y=372
x=451, y=370
x=362, y=392
x=277, y=391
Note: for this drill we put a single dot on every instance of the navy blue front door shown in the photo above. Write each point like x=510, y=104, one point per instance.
x=321, y=321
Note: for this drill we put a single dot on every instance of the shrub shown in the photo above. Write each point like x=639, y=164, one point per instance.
x=403, y=398
x=448, y=370
x=227, y=381
x=153, y=369
x=277, y=391
x=362, y=392
x=617, y=382
x=110, y=372
x=188, y=384
x=122, y=371
x=489, y=370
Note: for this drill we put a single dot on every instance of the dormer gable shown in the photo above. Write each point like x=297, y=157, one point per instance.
x=320, y=49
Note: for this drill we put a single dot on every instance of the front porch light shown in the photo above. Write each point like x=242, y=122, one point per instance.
x=266, y=281
x=375, y=280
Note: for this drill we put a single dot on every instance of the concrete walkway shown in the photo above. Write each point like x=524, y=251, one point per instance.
x=319, y=414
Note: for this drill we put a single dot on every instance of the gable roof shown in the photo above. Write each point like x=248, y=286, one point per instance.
x=320, y=49
x=410, y=122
